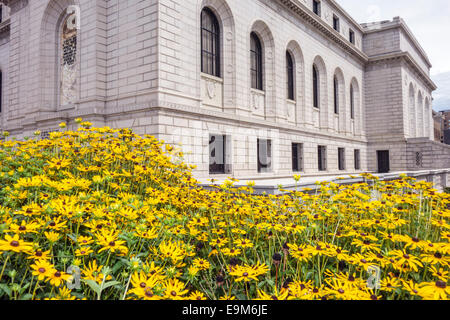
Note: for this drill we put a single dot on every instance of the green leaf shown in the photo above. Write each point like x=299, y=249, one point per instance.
x=27, y=296
x=6, y=289
x=109, y=284
x=25, y=287
x=93, y=285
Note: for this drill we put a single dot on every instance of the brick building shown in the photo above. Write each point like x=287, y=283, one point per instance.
x=254, y=88
x=438, y=119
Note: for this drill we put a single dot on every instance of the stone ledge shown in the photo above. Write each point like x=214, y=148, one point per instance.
x=270, y=185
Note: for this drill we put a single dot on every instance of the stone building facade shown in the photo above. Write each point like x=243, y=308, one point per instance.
x=249, y=88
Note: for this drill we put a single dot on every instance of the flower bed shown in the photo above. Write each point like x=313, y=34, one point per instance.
x=124, y=211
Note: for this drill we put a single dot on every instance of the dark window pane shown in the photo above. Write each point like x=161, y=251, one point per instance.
x=315, y=88
x=217, y=154
x=322, y=157
x=352, y=103
x=336, y=95
x=297, y=157
x=264, y=150
x=290, y=76
x=210, y=51
x=316, y=7
x=256, y=68
x=336, y=23
x=351, y=36
x=357, y=160
x=341, y=158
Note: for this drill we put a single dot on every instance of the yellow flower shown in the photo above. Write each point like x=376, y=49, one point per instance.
x=174, y=290
x=42, y=269
x=57, y=277
x=59, y=163
x=434, y=290
x=15, y=244
x=52, y=236
x=201, y=264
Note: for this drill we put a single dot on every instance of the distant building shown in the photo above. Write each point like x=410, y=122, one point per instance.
x=446, y=137
x=438, y=120
x=446, y=115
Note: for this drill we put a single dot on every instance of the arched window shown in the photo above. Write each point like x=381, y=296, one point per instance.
x=68, y=58
x=352, y=102
x=256, y=66
x=336, y=95
x=315, y=87
x=210, y=43
x=290, y=76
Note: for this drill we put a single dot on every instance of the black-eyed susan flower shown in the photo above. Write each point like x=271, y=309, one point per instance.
x=42, y=269
x=15, y=244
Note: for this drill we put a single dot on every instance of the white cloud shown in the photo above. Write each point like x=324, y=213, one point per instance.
x=428, y=20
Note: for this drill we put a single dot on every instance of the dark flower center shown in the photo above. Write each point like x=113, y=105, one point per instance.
x=148, y=293
x=245, y=274
x=57, y=274
x=14, y=243
x=173, y=293
x=41, y=270
x=22, y=228
x=142, y=284
x=112, y=243
x=441, y=284
x=341, y=291
x=438, y=255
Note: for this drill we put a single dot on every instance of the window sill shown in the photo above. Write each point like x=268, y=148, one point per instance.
x=211, y=77
x=257, y=91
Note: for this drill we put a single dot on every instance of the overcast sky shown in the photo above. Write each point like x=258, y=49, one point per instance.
x=429, y=21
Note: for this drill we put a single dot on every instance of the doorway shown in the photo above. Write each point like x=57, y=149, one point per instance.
x=383, y=161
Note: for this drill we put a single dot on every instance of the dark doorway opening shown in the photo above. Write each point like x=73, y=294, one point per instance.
x=383, y=161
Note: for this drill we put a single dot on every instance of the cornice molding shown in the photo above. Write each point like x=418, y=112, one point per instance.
x=5, y=26
x=15, y=5
x=398, y=23
x=406, y=56
x=315, y=21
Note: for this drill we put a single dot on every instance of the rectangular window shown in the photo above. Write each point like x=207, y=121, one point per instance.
x=316, y=7
x=341, y=158
x=357, y=160
x=264, y=155
x=322, y=156
x=336, y=24
x=297, y=157
x=217, y=154
x=351, y=36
